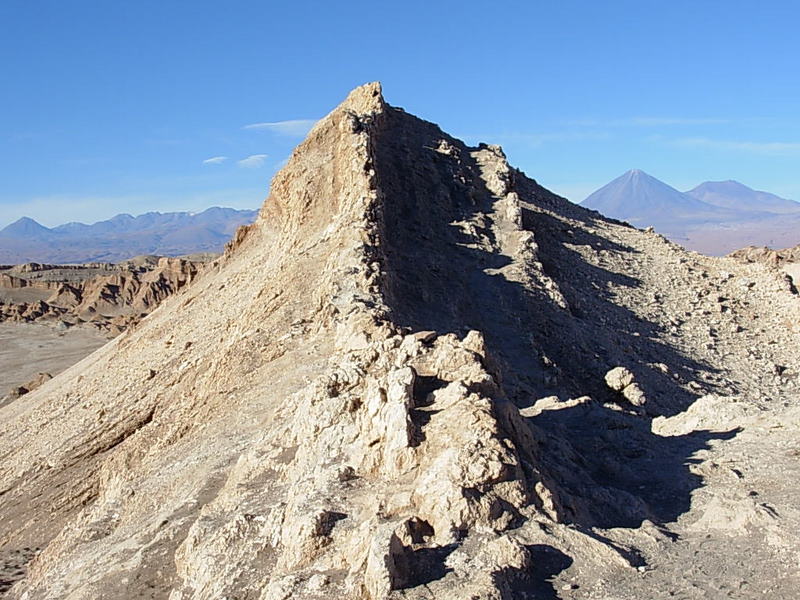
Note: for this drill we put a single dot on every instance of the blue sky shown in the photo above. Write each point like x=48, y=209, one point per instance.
x=109, y=107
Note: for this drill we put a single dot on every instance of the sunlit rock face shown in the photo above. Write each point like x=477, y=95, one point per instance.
x=393, y=385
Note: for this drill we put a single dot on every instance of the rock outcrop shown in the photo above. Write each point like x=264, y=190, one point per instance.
x=393, y=385
x=767, y=256
x=27, y=387
x=786, y=260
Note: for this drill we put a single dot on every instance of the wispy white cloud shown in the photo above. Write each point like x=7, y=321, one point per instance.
x=740, y=146
x=253, y=161
x=167, y=141
x=658, y=121
x=539, y=139
x=648, y=122
x=215, y=160
x=588, y=130
x=293, y=127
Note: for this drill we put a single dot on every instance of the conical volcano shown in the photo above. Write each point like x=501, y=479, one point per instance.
x=419, y=374
x=643, y=200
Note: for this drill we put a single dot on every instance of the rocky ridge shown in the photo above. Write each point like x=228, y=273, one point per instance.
x=767, y=256
x=786, y=260
x=420, y=375
x=28, y=386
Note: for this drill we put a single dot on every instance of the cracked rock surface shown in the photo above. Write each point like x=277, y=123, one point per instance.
x=420, y=375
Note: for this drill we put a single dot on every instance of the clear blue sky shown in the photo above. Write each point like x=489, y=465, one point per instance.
x=112, y=106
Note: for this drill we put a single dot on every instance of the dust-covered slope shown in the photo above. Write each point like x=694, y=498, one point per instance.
x=396, y=385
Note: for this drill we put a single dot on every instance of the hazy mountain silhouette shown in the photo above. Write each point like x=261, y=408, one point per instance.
x=26, y=229
x=714, y=218
x=122, y=236
x=642, y=200
x=737, y=196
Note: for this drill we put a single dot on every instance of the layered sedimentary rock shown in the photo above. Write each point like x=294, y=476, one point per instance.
x=400, y=383
x=108, y=296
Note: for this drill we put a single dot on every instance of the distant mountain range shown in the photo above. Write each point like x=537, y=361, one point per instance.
x=121, y=237
x=716, y=217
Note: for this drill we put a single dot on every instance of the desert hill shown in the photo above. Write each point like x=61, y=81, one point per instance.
x=417, y=375
x=716, y=217
x=121, y=237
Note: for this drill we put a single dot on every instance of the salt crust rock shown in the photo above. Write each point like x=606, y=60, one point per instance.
x=709, y=412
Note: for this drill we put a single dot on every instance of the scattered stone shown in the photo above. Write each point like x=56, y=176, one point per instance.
x=26, y=388
x=619, y=378
x=634, y=394
x=425, y=336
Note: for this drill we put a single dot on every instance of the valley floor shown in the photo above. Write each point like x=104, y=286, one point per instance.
x=29, y=348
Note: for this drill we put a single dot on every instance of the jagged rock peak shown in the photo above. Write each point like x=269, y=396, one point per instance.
x=390, y=388
x=364, y=99
x=324, y=359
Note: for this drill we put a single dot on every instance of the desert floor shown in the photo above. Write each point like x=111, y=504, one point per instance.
x=27, y=349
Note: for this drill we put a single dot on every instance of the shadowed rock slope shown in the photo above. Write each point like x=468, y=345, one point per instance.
x=419, y=375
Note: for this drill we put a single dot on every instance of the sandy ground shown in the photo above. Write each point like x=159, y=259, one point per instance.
x=27, y=349
x=24, y=295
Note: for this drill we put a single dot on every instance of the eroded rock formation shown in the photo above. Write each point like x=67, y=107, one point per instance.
x=108, y=296
x=394, y=386
x=786, y=260
x=767, y=256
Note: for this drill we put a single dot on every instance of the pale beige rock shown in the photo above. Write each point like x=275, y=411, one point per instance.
x=288, y=427
x=634, y=394
x=708, y=413
x=619, y=378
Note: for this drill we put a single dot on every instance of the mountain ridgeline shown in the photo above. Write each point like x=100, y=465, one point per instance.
x=121, y=237
x=716, y=217
x=420, y=375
